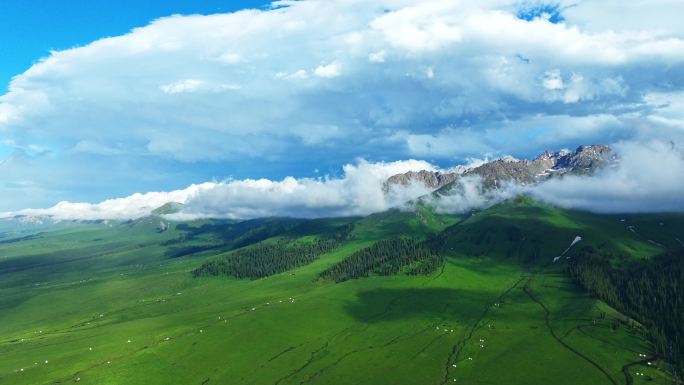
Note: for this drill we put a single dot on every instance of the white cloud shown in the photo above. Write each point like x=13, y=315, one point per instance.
x=131, y=207
x=649, y=177
x=299, y=74
x=187, y=85
x=618, y=15
x=670, y=110
x=511, y=137
x=377, y=57
x=553, y=80
x=230, y=58
x=467, y=194
x=331, y=70
x=472, y=46
x=358, y=192
x=429, y=73
x=427, y=26
x=5, y=113
x=575, y=88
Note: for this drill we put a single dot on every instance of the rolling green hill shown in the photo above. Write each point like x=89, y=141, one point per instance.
x=118, y=303
x=530, y=232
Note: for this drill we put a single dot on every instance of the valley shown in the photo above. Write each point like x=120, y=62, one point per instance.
x=94, y=304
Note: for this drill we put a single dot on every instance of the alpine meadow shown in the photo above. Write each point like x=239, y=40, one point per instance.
x=342, y=192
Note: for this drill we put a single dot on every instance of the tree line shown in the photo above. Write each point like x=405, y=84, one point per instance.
x=386, y=257
x=265, y=259
x=651, y=292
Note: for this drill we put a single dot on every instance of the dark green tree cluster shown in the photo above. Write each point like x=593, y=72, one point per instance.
x=386, y=257
x=262, y=260
x=651, y=292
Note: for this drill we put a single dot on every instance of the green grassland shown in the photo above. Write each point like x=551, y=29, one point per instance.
x=104, y=303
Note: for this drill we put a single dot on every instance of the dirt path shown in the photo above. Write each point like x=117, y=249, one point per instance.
x=458, y=347
x=547, y=313
x=308, y=362
x=346, y=355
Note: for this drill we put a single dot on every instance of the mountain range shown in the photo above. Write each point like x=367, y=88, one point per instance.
x=584, y=160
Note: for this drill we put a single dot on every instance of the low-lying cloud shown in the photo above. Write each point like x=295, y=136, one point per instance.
x=358, y=192
x=649, y=177
x=469, y=193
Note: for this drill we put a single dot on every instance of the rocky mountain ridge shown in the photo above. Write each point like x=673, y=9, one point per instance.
x=584, y=160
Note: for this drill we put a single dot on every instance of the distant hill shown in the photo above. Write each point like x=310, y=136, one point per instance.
x=168, y=208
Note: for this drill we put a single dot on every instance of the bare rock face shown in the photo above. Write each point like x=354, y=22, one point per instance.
x=584, y=160
x=431, y=179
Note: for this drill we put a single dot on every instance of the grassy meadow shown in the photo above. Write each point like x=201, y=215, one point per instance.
x=117, y=304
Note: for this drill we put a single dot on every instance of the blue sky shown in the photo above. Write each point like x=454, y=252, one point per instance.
x=552, y=11
x=129, y=100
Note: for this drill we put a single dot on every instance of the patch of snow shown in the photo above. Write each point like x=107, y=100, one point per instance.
x=573, y=243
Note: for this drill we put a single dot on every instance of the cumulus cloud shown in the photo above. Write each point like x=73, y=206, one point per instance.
x=328, y=71
x=468, y=44
x=316, y=83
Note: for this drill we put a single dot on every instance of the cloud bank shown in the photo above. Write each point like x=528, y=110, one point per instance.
x=648, y=178
x=306, y=85
x=358, y=192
